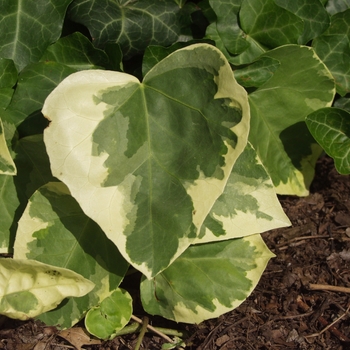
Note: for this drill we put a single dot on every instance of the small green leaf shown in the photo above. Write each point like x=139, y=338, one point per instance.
x=207, y=280
x=29, y=288
x=257, y=73
x=331, y=129
x=333, y=48
x=28, y=27
x=112, y=315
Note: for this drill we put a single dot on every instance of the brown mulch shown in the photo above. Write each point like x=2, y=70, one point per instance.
x=292, y=306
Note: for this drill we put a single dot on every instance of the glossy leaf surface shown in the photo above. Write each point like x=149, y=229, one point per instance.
x=331, y=129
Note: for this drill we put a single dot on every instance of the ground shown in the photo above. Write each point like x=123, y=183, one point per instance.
x=293, y=306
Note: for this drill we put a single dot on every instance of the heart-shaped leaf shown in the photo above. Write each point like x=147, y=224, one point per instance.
x=147, y=160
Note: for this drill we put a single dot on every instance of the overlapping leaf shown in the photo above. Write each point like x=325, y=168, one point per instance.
x=54, y=230
x=28, y=26
x=29, y=288
x=312, y=12
x=248, y=205
x=331, y=129
x=333, y=47
x=207, y=280
x=335, y=6
x=270, y=24
x=33, y=171
x=133, y=25
x=301, y=85
x=147, y=161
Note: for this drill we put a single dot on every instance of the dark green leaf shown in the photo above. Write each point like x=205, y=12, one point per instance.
x=331, y=129
x=333, y=47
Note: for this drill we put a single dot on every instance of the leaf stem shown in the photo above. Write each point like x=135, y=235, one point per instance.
x=142, y=332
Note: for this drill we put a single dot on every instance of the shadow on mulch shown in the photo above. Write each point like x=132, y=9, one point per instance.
x=292, y=306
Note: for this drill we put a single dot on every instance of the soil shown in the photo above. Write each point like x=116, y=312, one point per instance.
x=293, y=306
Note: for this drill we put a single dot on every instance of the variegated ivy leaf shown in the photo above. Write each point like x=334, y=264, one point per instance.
x=335, y=6
x=300, y=85
x=29, y=288
x=28, y=27
x=248, y=205
x=147, y=160
x=54, y=230
x=8, y=79
x=207, y=280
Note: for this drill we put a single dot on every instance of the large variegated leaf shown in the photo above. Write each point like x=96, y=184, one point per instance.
x=54, y=230
x=27, y=27
x=300, y=85
x=248, y=205
x=207, y=280
x=29, y=288
x=133, y=25
x=331, y=129
x=147, y=160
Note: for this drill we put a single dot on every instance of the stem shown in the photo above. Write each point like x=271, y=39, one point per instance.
x=142, y=333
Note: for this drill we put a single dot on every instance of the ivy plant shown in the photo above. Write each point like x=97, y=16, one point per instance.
x=152, y=138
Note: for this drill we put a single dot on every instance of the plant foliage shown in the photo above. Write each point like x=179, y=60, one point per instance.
x=153, y=136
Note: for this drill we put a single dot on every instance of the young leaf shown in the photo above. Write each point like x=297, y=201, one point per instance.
x=112, y=315
x=147, y=160
x=54, y=230
x=207, y=280
x=300, y=85
x=28, y=27
x=133, y=25
x=257, y=73
x=248, y=205
x=29, y=288
x=331, y=129
x=333, y=48
x=229, y=37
